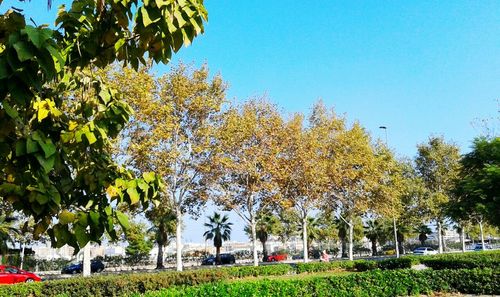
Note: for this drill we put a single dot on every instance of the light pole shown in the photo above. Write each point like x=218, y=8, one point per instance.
x=394, y=217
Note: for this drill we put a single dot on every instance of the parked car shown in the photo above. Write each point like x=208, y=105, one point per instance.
x=274, y=257
x=479, y=247
x=95, y=266
x=13, y=275
x=424, y=251
x=224, y=259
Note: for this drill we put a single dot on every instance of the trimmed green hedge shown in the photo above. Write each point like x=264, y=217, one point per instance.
x=323, y=266
x=373, y=283
x=118, y=285
x=462, y=261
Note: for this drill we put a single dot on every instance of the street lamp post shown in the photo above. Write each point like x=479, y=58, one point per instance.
x=394, y=217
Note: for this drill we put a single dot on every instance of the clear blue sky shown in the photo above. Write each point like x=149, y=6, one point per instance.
x=420, y=68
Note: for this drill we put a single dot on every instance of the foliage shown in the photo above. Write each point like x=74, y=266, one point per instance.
x=376, y=231
x=248, y=148
x=479, y=184
x=219, y=229
x=119, y=285
x=174, y=134
x=468, y=261
x=267, y=225
x=58, y=118
x=139, y=243
x=372, y=283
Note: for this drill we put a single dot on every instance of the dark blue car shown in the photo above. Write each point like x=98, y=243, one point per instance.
x=95, y=266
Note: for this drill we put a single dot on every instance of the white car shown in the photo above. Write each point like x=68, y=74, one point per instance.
x=424, y=251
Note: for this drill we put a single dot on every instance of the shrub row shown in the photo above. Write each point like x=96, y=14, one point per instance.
x=463, y=261
x=373, y=283
x=116, y=285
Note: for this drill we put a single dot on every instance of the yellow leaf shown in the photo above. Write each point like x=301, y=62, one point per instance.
x=72, y=125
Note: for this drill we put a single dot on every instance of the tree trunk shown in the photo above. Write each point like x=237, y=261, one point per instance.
x=86, y=260
x=444, y=243
x=264, y=250
x=374, y=247
x=344, y=247
x=351, y=236
x=440, y=242
x=254, y=242
x=482, y=234
x=304, y=239
x=462, y=238
x=22, y=256
x=178, y=238
x=217, y=255
x=159, y=258
x=395, y=236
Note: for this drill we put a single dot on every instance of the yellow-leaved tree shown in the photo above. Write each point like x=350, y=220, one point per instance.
x=300, y=171
x=173, y=134
x=248, y=146
x=351, y=168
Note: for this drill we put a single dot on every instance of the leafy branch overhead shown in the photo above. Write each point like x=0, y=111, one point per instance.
x=59, y=118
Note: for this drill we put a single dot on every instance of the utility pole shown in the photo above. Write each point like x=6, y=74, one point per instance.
x=393, y=218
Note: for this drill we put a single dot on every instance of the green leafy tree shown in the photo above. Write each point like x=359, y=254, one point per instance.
x=58, y=118
x=7, y=234
x=139, y=243
x=437, y=163
x=477, y=188
x=219, y=230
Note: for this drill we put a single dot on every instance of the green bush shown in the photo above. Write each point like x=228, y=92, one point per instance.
x=372, y=283
x=365, y=265
x=462, y=261
x=323, y=266
x=118, y=285
x=396, y=263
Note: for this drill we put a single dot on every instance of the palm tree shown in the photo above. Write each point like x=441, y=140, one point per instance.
x=266, y=225
x=164, y=227
x=376, y=232
x=423, y=231
x=219, y=229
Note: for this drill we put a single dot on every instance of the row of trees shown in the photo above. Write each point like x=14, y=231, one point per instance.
x=67, y=126
x=251, y=159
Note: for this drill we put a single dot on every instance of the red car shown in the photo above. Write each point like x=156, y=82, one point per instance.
x=276, y=257
x=13, y=275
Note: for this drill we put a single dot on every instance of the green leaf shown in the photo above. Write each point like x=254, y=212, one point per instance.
x=94, y=218
x=48, y=147
x=23, y=51
x=31, y=146
x=81, y=236
x=20, y=147
x=122, y=219
x=66, y=217
x=10, y=110
x=38, y=36
x=133, y=194
x=42, y=198
x=48, y=163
